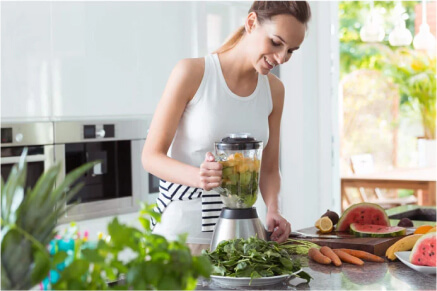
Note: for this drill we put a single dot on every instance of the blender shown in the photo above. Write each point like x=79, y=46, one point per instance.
x=240, y=154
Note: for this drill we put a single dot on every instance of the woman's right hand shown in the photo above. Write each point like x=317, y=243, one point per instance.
x=210, y=173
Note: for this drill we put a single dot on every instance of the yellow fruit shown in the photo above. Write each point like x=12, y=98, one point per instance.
x=431, y=230
x=238, y=156
x=324, y=224
x=422, y=229
x=404, y=244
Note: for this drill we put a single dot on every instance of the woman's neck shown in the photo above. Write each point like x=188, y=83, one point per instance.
x=236, y=65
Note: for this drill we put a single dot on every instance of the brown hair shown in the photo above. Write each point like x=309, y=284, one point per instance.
x=265, y=10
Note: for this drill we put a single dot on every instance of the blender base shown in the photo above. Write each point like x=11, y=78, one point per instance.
x=237, y=223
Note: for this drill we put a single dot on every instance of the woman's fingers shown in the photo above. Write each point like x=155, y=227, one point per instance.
x=210, y=172
x=209, y=157
x=286, y=232
x=208, y=183
x=209, y=186
x=212, y=179
x=281, y=232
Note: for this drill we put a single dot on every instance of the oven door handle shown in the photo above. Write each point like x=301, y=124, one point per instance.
x=29, y=159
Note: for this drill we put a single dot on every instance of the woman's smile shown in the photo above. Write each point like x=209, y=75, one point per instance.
x=270, y=65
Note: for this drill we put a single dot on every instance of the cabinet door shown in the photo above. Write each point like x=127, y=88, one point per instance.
x=25, y=60
x=114, y=58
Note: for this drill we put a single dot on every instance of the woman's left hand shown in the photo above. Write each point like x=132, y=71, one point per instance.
x=278, y=225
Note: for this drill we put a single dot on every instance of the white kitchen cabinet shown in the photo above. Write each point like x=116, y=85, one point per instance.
x=114, y=58
x=25, y=60
x=76, y=59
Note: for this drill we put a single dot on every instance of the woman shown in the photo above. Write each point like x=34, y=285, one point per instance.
x=207, y=98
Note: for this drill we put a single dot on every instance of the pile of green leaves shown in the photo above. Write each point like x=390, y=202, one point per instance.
x=156, y=264
x=254, y=258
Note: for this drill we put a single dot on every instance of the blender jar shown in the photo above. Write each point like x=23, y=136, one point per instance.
x=240, y=155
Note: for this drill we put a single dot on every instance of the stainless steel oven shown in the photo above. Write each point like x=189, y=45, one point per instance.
x=37, y=137
x=119, y=182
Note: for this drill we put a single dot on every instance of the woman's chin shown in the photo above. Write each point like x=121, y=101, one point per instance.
x=263, y=71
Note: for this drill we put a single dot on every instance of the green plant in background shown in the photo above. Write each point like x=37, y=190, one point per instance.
x=415, y=74
x=155, y=264
x=410, y=74
x=355, y=54
x=28, y=220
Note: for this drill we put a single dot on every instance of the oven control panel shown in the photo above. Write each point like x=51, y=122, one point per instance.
x=98, y=131
x=6, y=135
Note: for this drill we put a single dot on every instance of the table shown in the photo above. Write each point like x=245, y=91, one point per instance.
x=370, y=276
x=423, y=179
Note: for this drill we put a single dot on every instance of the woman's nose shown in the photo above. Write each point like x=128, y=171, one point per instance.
x=281, y=58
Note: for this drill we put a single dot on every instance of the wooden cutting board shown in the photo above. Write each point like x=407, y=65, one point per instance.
x=376, y=246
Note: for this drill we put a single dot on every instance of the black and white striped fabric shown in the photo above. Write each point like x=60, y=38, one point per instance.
x=211, y=202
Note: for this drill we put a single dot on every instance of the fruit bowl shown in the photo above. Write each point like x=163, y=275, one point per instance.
x=404, y=257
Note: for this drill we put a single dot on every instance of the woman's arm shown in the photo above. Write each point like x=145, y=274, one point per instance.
x=270, y=178
x=181, y=87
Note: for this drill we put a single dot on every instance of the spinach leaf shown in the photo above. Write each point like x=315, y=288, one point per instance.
x=254, y=258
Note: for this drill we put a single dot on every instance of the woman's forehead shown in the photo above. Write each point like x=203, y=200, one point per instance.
x=291, y=30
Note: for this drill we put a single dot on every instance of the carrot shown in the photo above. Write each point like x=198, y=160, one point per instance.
x=364, y=255
x=317, y=256
x=327, y=251
x=345, y=257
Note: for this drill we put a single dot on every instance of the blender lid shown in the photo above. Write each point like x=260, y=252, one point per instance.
x=239, y=141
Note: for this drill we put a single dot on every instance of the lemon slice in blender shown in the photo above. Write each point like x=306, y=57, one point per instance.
x=324, y=224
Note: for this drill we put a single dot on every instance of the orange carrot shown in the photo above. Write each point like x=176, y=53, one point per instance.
x=364, y=255
x=345, y=257
x=327, y=251
x=317, y=256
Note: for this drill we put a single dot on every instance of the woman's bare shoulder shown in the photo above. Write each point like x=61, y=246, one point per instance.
x=190, y=71
x=276, y=86
x=193, y=68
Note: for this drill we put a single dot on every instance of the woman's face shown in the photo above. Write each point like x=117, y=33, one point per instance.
x=272, y=43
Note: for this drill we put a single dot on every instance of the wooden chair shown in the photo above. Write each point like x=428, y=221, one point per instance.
x=363, y=164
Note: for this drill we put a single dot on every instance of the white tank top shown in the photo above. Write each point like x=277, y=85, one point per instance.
x=213, y=113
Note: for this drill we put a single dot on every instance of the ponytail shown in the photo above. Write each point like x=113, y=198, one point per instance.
x=231, y=41
x=266, y=10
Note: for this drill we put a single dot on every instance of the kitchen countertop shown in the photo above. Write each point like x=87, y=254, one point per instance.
x=371, y=276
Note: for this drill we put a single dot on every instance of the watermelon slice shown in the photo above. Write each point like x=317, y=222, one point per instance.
x=423, y=252
x=363, y=213
x=373, y=230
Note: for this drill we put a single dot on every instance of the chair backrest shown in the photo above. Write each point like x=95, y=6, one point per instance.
x=362, y=164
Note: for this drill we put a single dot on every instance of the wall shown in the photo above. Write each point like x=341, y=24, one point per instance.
x=309, y=130
x=73, y=59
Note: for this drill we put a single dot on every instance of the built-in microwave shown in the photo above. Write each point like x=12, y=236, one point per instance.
x=119, y=182
x=114, y=186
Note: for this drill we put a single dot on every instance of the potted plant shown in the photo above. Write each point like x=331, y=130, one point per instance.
x=28, y=221
x=154, y=262
x=415, y=74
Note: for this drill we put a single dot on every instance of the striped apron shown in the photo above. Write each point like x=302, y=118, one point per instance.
x=211, y=201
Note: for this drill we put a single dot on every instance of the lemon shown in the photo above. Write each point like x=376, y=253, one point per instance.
x=324, y=224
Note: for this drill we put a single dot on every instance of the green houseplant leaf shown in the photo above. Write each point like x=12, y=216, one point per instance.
x=28, y=222
x=156, y=264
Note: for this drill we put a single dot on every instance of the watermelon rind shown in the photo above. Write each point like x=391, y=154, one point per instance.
x=373, y=230
x=418, y=250
x=353, y=215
